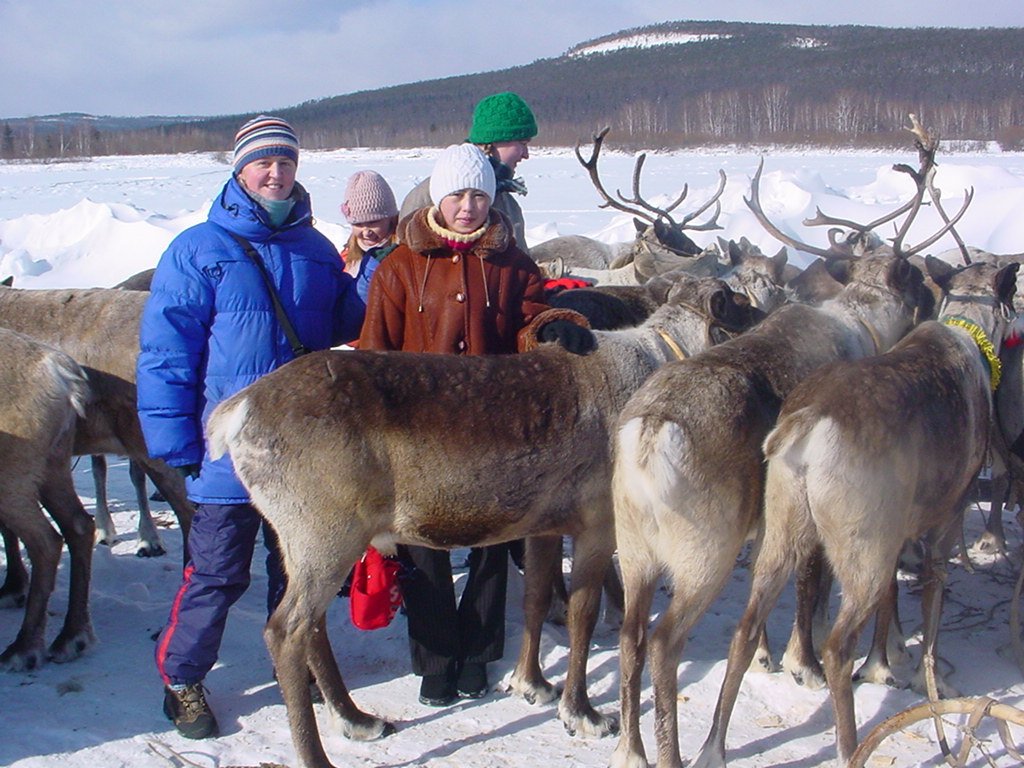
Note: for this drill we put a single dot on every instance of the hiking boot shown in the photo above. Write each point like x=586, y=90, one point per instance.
x=187, y=708
x=437, y=690
x=472, y=682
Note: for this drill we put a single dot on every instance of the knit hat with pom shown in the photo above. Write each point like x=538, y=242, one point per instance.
x=461, y=166
x=368, y=198
x=502, y=117
x=264, y=136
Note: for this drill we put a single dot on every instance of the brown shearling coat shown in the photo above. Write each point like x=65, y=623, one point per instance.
x=426, y=297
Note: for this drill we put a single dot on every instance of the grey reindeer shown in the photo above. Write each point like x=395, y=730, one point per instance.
x=860, y=461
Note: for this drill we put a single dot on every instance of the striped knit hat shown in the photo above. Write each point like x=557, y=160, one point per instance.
x=264, y=136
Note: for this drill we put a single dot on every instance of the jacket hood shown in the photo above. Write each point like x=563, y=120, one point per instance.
x=236, y=211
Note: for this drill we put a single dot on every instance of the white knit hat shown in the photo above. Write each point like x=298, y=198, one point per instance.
x=368, y=198
x=461, y=166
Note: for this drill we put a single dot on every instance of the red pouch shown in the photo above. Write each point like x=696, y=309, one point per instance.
x=375, y=595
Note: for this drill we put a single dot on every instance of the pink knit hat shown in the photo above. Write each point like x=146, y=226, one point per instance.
x=368, y=198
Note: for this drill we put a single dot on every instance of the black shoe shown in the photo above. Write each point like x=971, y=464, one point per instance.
x=472, y=682
x=437, y=690
x=188, y=709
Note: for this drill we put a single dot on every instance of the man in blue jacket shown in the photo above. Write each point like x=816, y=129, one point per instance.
x=209, y=329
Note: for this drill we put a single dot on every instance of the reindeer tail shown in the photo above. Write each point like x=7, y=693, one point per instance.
x=789, y=432
x=225, y=425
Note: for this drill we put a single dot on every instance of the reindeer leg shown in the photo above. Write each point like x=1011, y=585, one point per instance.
x=774, y=563
x=863, y=593
x=149, y=539
x=591, y=559
x=813, y=584
x=543, y=568
x=615, y=600
x=287, y=640
x=172, y=487
x=61, y=500
x=876, y=667
x=15, y=586
x=356, y=724
x=638, y=588
x=106, y=533
x=43, y=544
x=927, y=681
x=994, y=537
x=558, y=610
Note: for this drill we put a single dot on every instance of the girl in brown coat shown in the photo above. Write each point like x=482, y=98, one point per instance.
x=458, y=285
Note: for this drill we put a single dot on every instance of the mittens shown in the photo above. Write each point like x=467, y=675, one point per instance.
x=572, y=337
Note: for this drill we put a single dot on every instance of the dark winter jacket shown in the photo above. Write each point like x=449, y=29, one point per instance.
x=426, y=297
x=367, y=266
x=209, y=327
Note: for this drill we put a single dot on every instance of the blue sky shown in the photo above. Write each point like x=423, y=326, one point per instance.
x=139, y=57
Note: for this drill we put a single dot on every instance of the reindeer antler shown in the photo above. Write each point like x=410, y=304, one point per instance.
x=926, y=147
x=923, y=180
x=637, y=205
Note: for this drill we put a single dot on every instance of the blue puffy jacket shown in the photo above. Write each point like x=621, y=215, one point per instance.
x=209, y=327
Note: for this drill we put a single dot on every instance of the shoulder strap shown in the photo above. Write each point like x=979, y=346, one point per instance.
x=289, y=330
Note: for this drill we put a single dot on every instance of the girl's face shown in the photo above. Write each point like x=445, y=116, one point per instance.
x=370, y=234
x=272, y=177
x=511, y=153
x=465, y=211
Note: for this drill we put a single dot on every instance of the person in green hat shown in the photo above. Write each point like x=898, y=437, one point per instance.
x=503, y=125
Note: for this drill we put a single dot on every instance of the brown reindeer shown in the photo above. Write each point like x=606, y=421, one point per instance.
x=99, y=329
x=528, y=456
x=45, y=391
x=861, y=461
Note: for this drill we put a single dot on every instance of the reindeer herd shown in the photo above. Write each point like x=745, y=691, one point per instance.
x=732, y=399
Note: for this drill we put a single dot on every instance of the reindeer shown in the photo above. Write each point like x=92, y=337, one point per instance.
x=688, y=476
x=150, y=544
x=661, y=244
x=608, y=307
x=529, y=456
x=99, y=329
x=860, y=461
x=44, y=392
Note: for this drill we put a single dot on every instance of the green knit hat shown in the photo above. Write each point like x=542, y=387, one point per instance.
x=502, y=117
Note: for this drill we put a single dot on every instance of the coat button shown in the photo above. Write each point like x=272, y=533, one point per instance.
x=460, y=297
x=461, y=346
x=456, y=258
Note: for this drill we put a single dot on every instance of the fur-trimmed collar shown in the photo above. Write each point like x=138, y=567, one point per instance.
x=415, y=233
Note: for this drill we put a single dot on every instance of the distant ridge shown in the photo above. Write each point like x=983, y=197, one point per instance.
x=675, y=84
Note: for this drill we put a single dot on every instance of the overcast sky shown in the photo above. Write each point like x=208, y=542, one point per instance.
x=208, y=57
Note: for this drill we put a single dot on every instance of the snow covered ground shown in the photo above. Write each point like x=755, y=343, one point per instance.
x=94, y=223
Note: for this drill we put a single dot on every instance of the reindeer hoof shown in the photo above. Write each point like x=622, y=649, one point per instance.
x=150, y=550
x=590, y=725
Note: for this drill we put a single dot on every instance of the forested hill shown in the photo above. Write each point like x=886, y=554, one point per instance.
x=669, y=85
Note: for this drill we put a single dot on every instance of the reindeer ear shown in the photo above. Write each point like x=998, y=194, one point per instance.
x=904, y=275
x=731, y=310
x=640, y=224
x=8, y=281
x=1006, y=284
x=939, y=271
x=735, y=253
x=839, y=268
x=779, y=265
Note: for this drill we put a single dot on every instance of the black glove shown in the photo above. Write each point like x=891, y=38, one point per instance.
x=574, y=338
x=188, y=470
